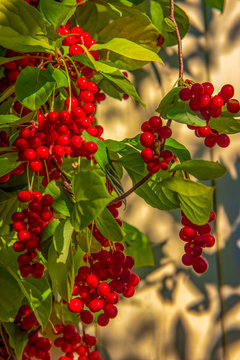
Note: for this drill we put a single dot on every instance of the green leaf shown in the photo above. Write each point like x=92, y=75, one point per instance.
x=195, y=198
x=184, y=115
x=61, y=273
x=168, y=25
x=109, y=227
x=8, y=162
x=114, y=83
x=17, y=338
x=216, y=4
x=152, y=192
x=87, y=241
x=33, y=87
x=160, y=10
x=23, y=29
x=168, y=101
x=9, y=118
x=87, y=17
x=39, y=295
x=62, y=200
x=138, y=246
x=123, y=84
x=47, y=236
x=91, y=198
x=101, y=155
x=57, y=13
x=8, y=92
x=178, y=149
x=62, y=239
x=11, y=297
x=226, y=124
x=6, y=106
x=128, y=49
x=58, y=75
x=201, y=169
x=8, y=205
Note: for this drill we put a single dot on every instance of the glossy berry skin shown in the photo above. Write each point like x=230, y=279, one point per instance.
x=208, y=88
x=95, y=305
x=24, y=196
x=155, y=122
x=223, y=140
x=200, y=265
x=227, y=92
x=147, y=139
x=147, y=155
x=91, y=147
x=75, y=305
x=233, y=106
x=185, y=94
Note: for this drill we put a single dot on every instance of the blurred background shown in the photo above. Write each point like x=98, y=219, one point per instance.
x=176, y=314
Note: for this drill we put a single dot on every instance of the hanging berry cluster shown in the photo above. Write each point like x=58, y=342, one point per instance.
x=201, y=99
x=197, y=238
x=153, y=137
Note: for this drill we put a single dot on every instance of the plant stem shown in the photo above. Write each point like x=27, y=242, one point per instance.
x=66, y=181
x=179, y=41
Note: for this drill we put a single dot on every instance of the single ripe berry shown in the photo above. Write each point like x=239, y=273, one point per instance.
x=200, y=265
x=217, y=100
x=165, y=132
x=208, y=88
x=233, y=106
x=87, y=317
x=223, y=140
x=204, y=101
x=95, y=305
x=24, y=196
x=227, y=92
x=47, y=200
x=82, y=83
x=92, y=280
x=155, y=122
x=147, y=155
x=197, y=89
x=42, y=152
x=204, y=131
x=103, y=320
x=75, y=305
x=147, y=139
x=103, y=289
x=187, y=259
x=185, y=94
x=91, y=147
x=29, y=154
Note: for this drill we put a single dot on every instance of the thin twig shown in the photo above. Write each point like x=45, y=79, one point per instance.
x=179, y=41
x=66, y=181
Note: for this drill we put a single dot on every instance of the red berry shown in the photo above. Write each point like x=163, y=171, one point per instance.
x=75, y=305
x=29, y=154
x=204, y=131
x=103, y=289
x=185, y=94
x=233, y=106
x=210, y=141
x=92, y=280
x=38, y=271
x=103, y=320
x=204, y=101
x=75, y=50
x=147, y=139
x=223, y=140
x=216, y=101
x=87, y=317
x=24, y=196
x=35, y=165
x=227, y=92
x=165, y=132
x=197, y=89
x=91, y=147
x=42, y=152
x=47, y=200
x=208, y=88
x=155, y=122
x=95, y=305
x=187, y=259
x=200, y=265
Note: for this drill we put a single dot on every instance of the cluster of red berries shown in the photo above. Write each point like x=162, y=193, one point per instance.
x=197, y=238
x=37, y=346
x=200, y=97
x=97, y=286
x=154, y=133
x=72, y=343
x=26, y=318
x=29, y=224
x=77, y=37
